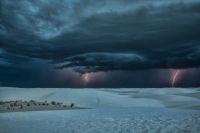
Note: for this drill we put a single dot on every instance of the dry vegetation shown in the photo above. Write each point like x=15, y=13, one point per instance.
x=19, y=105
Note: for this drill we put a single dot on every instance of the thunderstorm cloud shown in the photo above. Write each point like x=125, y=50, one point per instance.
x=99, y=35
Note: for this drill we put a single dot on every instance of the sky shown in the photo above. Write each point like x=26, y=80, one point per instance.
x=100, y=43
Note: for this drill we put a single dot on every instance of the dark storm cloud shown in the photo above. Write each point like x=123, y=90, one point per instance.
x=11, y=60
x=104, y=61
x=94, y=35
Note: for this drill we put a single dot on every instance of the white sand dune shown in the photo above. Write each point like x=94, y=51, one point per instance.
x=98, y=98
x=113, y=111
x=110, y=120
x=93, y=98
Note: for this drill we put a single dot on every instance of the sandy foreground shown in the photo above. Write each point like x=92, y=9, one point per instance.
x=136, y=110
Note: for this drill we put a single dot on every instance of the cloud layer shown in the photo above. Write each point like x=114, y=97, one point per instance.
x=93, y=35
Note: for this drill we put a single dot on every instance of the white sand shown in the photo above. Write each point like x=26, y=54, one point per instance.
x=114, y=111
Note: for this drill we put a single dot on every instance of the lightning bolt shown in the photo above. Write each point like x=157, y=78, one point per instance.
x=86, y=77
x=174, y=77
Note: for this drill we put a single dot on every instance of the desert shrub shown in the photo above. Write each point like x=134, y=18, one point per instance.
x=32, y=101
x=72, y=105
x=15, y=103
x=11, y=105
x=53, y=103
